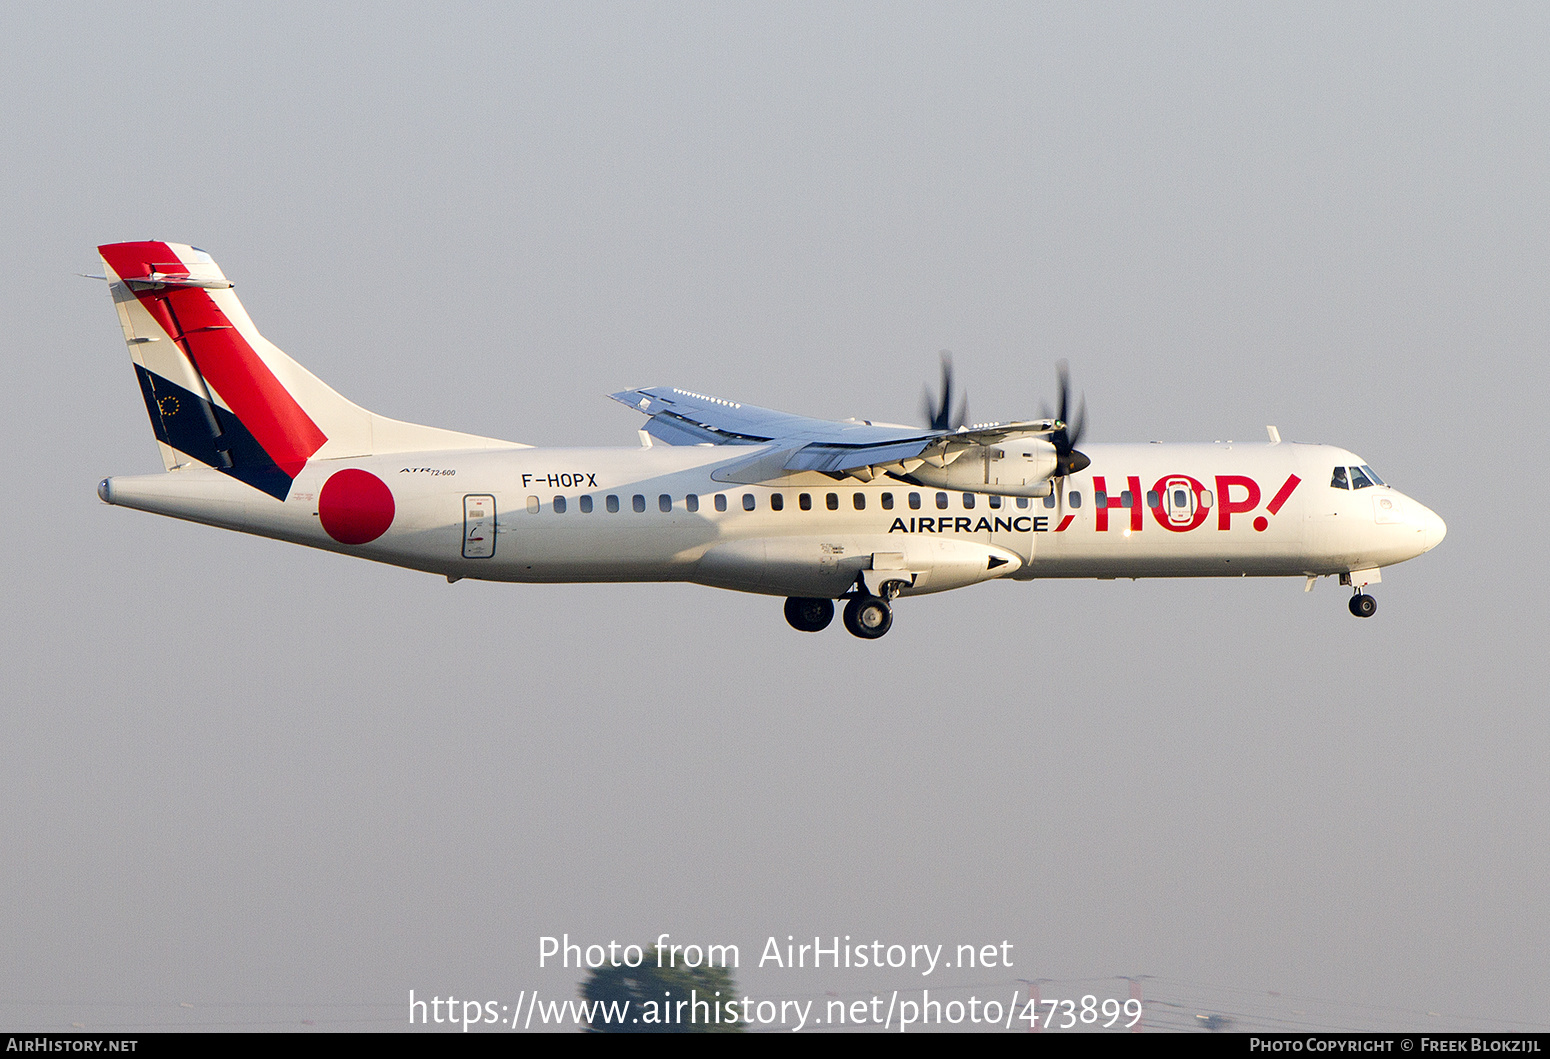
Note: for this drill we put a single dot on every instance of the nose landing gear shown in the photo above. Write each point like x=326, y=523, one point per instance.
x=1362, y=605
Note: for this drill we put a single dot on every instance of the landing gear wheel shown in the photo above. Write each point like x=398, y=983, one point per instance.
x=1363, y=605
x=809, y=615
x=868, y=617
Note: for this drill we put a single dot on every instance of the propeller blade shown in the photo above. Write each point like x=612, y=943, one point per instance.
x=940, y=415
x=1079, y=424
x=1063, y=376
x=1067, y=459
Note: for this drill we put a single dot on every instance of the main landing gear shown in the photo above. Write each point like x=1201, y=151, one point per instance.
x=810, y=615
x=866, y=616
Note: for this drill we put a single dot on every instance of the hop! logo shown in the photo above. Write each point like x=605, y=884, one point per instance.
x=1180, y=503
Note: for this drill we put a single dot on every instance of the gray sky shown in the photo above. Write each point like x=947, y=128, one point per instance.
x=276, y=784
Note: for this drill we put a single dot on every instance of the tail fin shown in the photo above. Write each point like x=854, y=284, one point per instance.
x=218, y=392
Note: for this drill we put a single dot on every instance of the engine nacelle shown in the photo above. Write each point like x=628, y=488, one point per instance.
x=1018, y=466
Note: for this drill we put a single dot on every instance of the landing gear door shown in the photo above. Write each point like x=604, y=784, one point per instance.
x=478, y=526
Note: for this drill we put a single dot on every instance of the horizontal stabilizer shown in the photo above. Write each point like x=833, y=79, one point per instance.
x=158, y=280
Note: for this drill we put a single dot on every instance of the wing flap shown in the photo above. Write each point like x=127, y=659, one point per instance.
x=831, y=459
x=676, y=431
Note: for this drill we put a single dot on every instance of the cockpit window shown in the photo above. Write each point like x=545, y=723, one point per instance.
x=1370, y=473
x=1338, y=481
x=1358, y=479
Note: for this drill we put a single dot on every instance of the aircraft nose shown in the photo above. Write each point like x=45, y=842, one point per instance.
x=1433, y=528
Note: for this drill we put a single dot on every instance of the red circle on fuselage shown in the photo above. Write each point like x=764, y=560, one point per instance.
x=355, y=507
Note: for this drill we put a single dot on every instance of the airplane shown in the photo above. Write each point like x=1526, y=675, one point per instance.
x=718, y=492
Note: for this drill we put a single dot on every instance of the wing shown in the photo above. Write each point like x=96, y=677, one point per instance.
x=853, y=447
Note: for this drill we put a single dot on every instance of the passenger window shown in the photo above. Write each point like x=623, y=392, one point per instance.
x=638, y=502
x=1049, y=501
x=887, y=499
x=664, y=503
x=1076, y=498
x=968, y=501
x=1205, y=498
x=748, y=501
x=1180, y=498
x=805, y=501
x=1368, y=471
x=1338, y=481
x=1152, y=499
x=611, y=503
x=1126, y=499
x=1101, y=498
x=532, y=505
x=559, y=505
x=994, y=501
x=721, y=501
x=832, y=501
x=1358, y=479
x=692, y=502
x=586, y=505
x=777, y=501
x=914, y=501
x=1022, y=501
x=858, y=500
x=941, y=501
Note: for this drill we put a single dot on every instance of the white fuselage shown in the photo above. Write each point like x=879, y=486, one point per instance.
x=1172, y=510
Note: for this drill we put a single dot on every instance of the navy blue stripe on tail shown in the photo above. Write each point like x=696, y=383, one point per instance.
x=213, y=436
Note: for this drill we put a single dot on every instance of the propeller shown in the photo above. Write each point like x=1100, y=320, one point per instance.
x=1065, y=437
x=941, y=416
